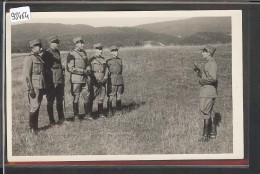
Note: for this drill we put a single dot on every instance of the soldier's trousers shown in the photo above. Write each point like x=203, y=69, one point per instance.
x=83, y=89
x=99, y=92
x=115, y=92
x=55, y=92
x=35, y=103
x=206, y=107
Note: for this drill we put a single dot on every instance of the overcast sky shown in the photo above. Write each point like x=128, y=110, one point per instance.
x=101, y=22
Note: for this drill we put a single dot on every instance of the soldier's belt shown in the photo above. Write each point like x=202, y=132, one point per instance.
x=37, y=73
x=99, y=71
x=56, y=68
x=115, y=74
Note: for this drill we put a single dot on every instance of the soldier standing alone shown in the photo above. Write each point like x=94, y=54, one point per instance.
x=34, y=79
x=99, y=77
x=54, y=79
x=208, y=92
x=77, y=65
x=115, y=87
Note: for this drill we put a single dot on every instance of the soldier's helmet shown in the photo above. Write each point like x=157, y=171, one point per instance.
x=209, y=49
x=53, y=39
x=77, y=40
x=35, y=42
x=113, y=48
x=98, y=46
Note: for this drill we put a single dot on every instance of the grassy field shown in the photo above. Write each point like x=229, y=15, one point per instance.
x=160, y=109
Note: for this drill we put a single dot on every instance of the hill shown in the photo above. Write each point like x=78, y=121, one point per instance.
x=121, y=36
x=188, y=27
x=193, y=31
x=202, y=38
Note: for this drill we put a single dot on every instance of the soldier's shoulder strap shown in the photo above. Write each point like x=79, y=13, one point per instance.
x=72, y=52
x=95, y=58
x=37, y=57
x=109, y=59
x=91, y=59
x=79, y=53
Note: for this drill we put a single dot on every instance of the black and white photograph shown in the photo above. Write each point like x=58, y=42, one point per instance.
x=125, y=85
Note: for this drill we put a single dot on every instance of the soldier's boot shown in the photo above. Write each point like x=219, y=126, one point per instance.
x=206, y=129
x=110, y=108
x=213, y=132
x=32, y=123
x=118, y=105
x=60, y=113
x=36, y=119
x=100, y=110
x=75, y=110
x=50, y=114
x=88, y=111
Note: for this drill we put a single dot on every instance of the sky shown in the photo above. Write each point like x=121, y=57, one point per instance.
x=101, y=22
x=116, y=18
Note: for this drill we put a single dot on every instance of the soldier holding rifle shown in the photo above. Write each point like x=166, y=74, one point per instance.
x=35, y=83
x=208, y=92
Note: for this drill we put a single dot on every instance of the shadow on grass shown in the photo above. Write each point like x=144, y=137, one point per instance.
x=45, y=128
x=125, y=108
x=129, y=107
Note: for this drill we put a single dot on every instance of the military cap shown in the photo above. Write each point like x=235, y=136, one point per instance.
x=98, y=46
x=113, y=48
x=34, y=42
x=209, y=49
x=77, y=39
x=53, y=39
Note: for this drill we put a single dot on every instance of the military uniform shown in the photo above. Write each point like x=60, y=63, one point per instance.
x=99, y=78
x=77, y=65
x=208, y=92
x=35, y=84
x=115, y=87
x=54, y=81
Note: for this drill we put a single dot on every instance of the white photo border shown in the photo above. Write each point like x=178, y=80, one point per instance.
x=237, y=86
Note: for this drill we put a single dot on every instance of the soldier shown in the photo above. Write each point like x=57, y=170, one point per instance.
x=77, y=65
x=208, y=92
x=34, y=79
x=115, y=87
x=99, y=77
x=54, y=79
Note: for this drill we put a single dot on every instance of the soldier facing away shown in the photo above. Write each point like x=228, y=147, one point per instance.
x=34, y=80
x=115, y=87
x=54, y=79
x=77, y=65
x=99, y=77
x=208, y=92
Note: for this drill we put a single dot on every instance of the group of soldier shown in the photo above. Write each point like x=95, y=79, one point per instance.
x=91, y=78
x=95, y=77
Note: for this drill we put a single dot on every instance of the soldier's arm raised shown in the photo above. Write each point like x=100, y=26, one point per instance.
x=71, y=66
x=27, y=72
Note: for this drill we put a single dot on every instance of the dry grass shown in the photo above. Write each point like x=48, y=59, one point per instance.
x=160, y=110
